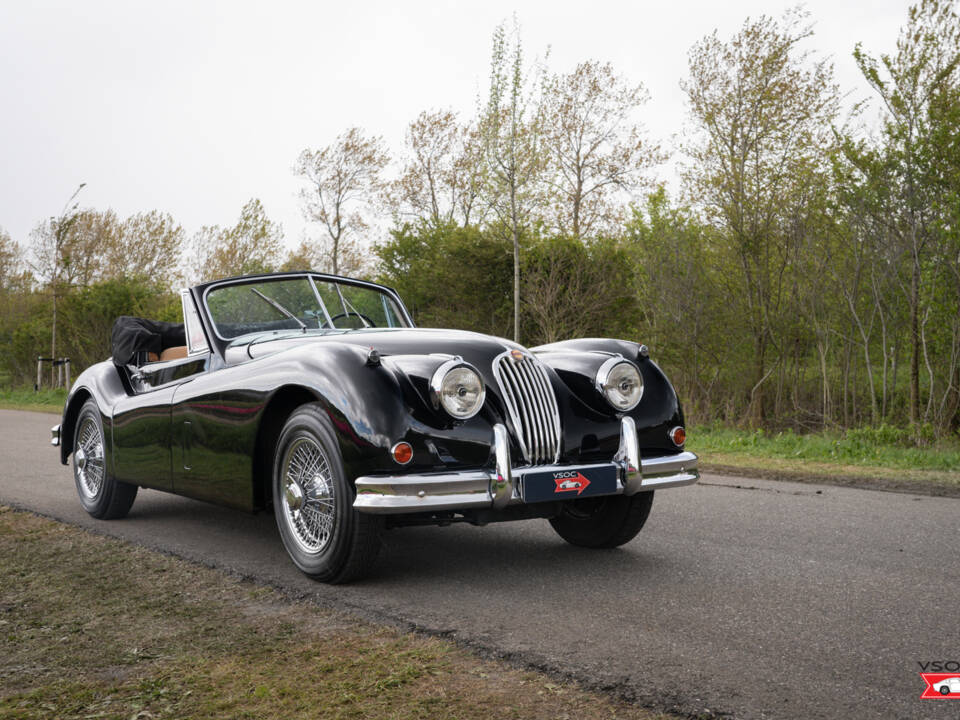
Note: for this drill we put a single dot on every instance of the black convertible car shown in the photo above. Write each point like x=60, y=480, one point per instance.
x=318, y=395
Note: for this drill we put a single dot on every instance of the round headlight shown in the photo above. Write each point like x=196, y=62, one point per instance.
x=619, y=381
x=458, y=388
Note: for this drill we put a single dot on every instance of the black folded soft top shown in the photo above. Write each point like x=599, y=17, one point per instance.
x=131, y=335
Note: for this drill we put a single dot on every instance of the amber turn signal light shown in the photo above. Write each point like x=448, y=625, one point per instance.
x=402, y=453
x=679, y=436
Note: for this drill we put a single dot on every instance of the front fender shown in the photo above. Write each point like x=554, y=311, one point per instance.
x=576, y=363
x=105, y=385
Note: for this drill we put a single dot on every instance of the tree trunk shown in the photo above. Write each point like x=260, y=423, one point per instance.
x=53, y=340
x=915, y=344
x=516, y=264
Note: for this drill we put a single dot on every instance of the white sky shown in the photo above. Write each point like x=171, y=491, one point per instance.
x=194, y=107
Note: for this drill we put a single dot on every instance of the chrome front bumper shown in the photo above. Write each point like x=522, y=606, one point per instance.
x=499, y=487
x=55, y=435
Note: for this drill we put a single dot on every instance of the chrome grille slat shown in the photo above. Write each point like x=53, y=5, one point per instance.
x=537, y=380
x=531, y=405
x=554, y=410
x=520, y=411
x=530, y=427
x=538, y=428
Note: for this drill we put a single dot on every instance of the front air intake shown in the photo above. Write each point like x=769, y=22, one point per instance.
x=531, y=405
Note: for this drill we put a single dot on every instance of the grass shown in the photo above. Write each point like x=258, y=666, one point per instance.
x=91, y=627
x=44, y=400
x=883, y=456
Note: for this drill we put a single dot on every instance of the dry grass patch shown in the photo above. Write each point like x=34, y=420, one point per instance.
x=91, y=627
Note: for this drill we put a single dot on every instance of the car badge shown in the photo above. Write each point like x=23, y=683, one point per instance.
x=517, y=355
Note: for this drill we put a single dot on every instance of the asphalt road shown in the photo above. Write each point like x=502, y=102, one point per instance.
x=750, y=598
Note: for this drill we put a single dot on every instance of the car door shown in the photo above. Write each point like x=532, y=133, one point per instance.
x=143, y=437
x=214, y=428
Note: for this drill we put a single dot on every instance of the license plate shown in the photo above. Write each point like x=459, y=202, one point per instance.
x=569, y=483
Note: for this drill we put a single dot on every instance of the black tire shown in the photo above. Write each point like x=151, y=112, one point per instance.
x=944, y=690
x=332, y=542
x=101, y=495
x=603, y=522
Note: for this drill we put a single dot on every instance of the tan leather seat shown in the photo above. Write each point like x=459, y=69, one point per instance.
x=174, y=353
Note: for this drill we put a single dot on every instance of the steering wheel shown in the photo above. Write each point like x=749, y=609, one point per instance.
x=367, y=320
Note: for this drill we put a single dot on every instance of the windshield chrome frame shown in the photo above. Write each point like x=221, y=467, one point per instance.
x=185, y=298
x=310, y=277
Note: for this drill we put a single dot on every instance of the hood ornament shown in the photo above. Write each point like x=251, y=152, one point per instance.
x=517, y=355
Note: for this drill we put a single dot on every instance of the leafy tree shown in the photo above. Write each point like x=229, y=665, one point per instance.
x=435, y=271
x=762, y=112
x=686, y=318
x=901, y=176
x=11, y=262
x=147, y=244
x=573, y=289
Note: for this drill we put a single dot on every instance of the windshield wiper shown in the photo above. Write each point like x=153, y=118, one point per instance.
x=281, y=308
x=346, y=303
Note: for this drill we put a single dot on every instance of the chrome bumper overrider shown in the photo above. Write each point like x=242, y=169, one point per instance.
x=55, y=435
x=499, y=487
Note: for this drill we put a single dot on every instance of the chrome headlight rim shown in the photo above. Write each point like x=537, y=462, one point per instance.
x=436, y=388
x=603, y=377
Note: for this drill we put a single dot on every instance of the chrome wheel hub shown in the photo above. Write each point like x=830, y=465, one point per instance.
x=88, y=466
x=308, y=497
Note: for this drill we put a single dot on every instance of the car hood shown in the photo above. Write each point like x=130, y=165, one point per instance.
x=474, y=347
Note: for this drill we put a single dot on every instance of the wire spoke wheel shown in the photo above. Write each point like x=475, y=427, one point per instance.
x=308, y=495
x=88, y=463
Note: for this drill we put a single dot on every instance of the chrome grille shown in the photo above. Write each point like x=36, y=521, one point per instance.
x=531, y=404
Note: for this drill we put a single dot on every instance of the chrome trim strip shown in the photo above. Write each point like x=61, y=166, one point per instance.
x=680, y=463
x=416, y=493
x=670, y=481
x=55, y=435
x=186, y=303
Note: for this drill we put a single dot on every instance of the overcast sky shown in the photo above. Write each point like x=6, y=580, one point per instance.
x=194, y=107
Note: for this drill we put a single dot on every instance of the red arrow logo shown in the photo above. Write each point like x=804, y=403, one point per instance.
x=569, y=483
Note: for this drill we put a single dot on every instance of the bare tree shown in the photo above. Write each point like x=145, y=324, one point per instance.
x=52, y=258
x=597, y=151
x=510, y=128
x=343, y=182
x=442, y=174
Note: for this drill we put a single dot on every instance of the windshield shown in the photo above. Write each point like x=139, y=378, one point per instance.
x=300, y=303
